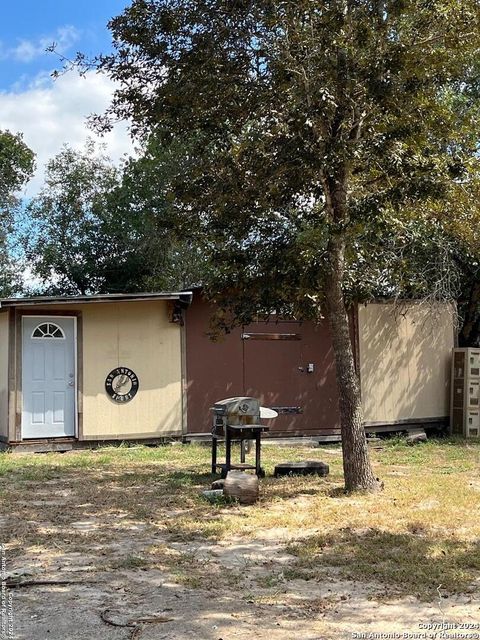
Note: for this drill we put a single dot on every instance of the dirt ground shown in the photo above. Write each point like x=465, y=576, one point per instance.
x=119, y=568
x=98, y=600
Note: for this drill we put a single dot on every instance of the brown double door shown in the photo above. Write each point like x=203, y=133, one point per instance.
x=287, y=365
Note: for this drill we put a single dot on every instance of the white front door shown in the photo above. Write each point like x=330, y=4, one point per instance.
x=48, y=377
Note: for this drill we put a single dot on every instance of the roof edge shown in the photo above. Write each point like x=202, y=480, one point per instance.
x=183, y=296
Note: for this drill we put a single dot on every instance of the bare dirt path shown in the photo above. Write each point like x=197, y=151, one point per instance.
x=155, y=604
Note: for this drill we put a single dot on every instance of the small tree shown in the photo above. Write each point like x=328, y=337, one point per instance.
x=16, y=167
x=89, y=231
x=64, y=232
x=315, y=120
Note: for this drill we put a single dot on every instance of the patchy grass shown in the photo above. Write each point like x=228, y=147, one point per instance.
x=131, y=562
x=417, y=563
x=420, y=534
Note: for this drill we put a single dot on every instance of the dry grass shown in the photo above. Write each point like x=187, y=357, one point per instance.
x=420, y=533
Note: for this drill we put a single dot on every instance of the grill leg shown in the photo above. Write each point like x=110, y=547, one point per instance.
x=258, y=468
x=214, y=454
x=228, y=450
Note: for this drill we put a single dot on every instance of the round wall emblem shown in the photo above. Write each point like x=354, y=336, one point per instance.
x=121, y=384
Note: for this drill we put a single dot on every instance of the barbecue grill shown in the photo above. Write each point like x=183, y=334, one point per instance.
x=237, y=419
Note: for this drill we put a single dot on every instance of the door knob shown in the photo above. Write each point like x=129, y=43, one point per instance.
x=71, y=383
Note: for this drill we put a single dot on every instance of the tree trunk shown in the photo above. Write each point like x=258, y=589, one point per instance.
x=469, y=335
x=356, y=463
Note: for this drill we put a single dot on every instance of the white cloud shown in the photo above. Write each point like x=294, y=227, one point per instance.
x=28, y=50
x=51, y=113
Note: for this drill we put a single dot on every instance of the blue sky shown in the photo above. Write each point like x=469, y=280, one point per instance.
x=27, y=25
x=52, y=113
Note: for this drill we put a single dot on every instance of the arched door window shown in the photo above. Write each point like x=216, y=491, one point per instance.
x=48, y=330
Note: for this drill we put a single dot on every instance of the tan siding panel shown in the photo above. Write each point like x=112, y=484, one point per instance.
x=137, y=335
x=4, y=375
x=140, y=337
x=405, y=354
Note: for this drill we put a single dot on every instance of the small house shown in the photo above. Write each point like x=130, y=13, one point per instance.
x=86, y=369
x=80, y=370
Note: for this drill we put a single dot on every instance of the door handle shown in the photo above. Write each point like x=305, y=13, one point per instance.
x=71, y=383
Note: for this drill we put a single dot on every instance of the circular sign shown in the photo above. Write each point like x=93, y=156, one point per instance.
x=121, y=384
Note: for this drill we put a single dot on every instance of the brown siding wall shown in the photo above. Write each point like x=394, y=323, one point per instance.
x=214, y=369
x=273, y=370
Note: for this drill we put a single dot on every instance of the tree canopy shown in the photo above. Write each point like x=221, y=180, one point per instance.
x=272, y=95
